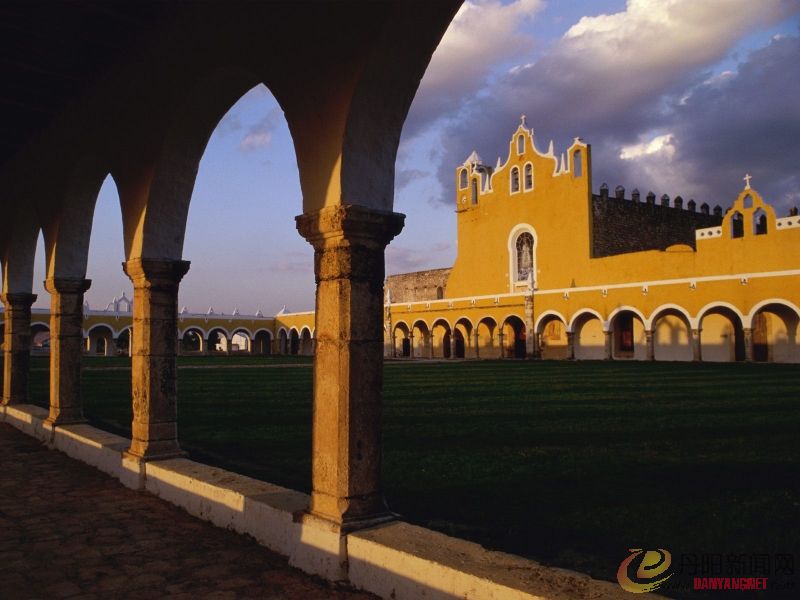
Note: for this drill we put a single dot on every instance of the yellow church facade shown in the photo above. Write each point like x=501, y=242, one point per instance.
x=546, y=269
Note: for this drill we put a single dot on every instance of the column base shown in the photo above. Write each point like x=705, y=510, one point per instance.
x=60, y=421
x=347, y=526
x=155, y=454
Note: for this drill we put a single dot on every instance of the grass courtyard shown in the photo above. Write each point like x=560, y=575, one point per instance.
x=570, y=463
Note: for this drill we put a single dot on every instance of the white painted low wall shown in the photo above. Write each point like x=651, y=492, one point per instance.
x=395, y=560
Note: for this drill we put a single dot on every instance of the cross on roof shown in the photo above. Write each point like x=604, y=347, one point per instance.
x=747, y=179
x=522, y=120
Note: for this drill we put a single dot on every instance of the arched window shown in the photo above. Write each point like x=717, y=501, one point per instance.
x=514, y=180
x=462, y=179
x=520, y=144
x=439, y=293
x=474, y=191
x=737, y=225
x=577, y=164
x=528, y=177
x=524, y=246
x=759, y=222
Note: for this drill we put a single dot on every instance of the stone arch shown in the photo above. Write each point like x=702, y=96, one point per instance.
x=100, y=340
x=193, y=340
x=589, y=338
x=262, y=342
x=464, y=340
x=40, y=337
x=672, y=327
x=627, y=327
x=551, y=327
x=306, y=342
x=421, y=345
x=124, y=341
x=283, y=341
x=721, y=333
x=241, y=340
x=404, y=349
x=514, y=335
x=218, y=340
x=441, y=334
x=487, y=330
x=20, y=235
x=774, y=325
x=294, y=341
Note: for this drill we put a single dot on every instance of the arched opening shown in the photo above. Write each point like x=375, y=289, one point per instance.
x=577, y=163
x=671, y=336
x=441, y=339
x=514, y=182
x=628, y=335
x=240, y=342
x=737, y=225
x=218, y=341
x=524, y=259
x=721, y=335
x=439, y=293
x=422, y=340
x=528, y=177
x=487, y=332
x=262, y=343
x=520, y=144
x=306, y=343
x=554, y=344
x=101, y=341
x=464, y=343
x=40, y=338
x=294, y=342
x=192, y=341
x=775, y=334
x=462, y=179
x=759, y=222
x=589, y=338
x=514, y=338
x=401, y=341
x=124, y=342
x=283, y=342
x=474, y=191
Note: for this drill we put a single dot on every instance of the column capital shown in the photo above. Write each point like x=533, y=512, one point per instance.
x=145, y=272
x=18, y=299
x=351, y=222
x=66, y=285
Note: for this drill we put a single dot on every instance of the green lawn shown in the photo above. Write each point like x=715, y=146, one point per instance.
x=571, y=463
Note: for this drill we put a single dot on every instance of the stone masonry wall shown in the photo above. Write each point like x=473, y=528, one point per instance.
x=421, y=285
x=620, y=225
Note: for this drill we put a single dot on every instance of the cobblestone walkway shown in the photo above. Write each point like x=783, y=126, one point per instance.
x=69, y=531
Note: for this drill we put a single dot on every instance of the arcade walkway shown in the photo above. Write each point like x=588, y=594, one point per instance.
x=69, y=531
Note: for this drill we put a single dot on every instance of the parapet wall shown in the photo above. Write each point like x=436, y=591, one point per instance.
x=418, y=286
x=621, y=225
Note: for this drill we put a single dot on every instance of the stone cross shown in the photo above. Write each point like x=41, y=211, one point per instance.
x=747, y=179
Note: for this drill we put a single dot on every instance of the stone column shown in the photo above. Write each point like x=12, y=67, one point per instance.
x=651, y=344
x=609, y=345
x=697, y=354
x=153, y=345
x=411, y=348
x=349, y=243
x=66, y=340
x=501, y=342
x=748, y=344
x=570, y=345
x=453, y=345
x=537, y=345
x=430, y=345
x=16, y=346
x=477, y=345
x=530, y=337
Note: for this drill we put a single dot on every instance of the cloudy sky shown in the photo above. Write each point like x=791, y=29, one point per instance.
x=675, y=96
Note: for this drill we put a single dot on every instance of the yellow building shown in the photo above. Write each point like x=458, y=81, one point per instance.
x=546, y=268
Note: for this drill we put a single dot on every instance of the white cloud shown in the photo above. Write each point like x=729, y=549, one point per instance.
x=661, y=144
x=259, y=135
